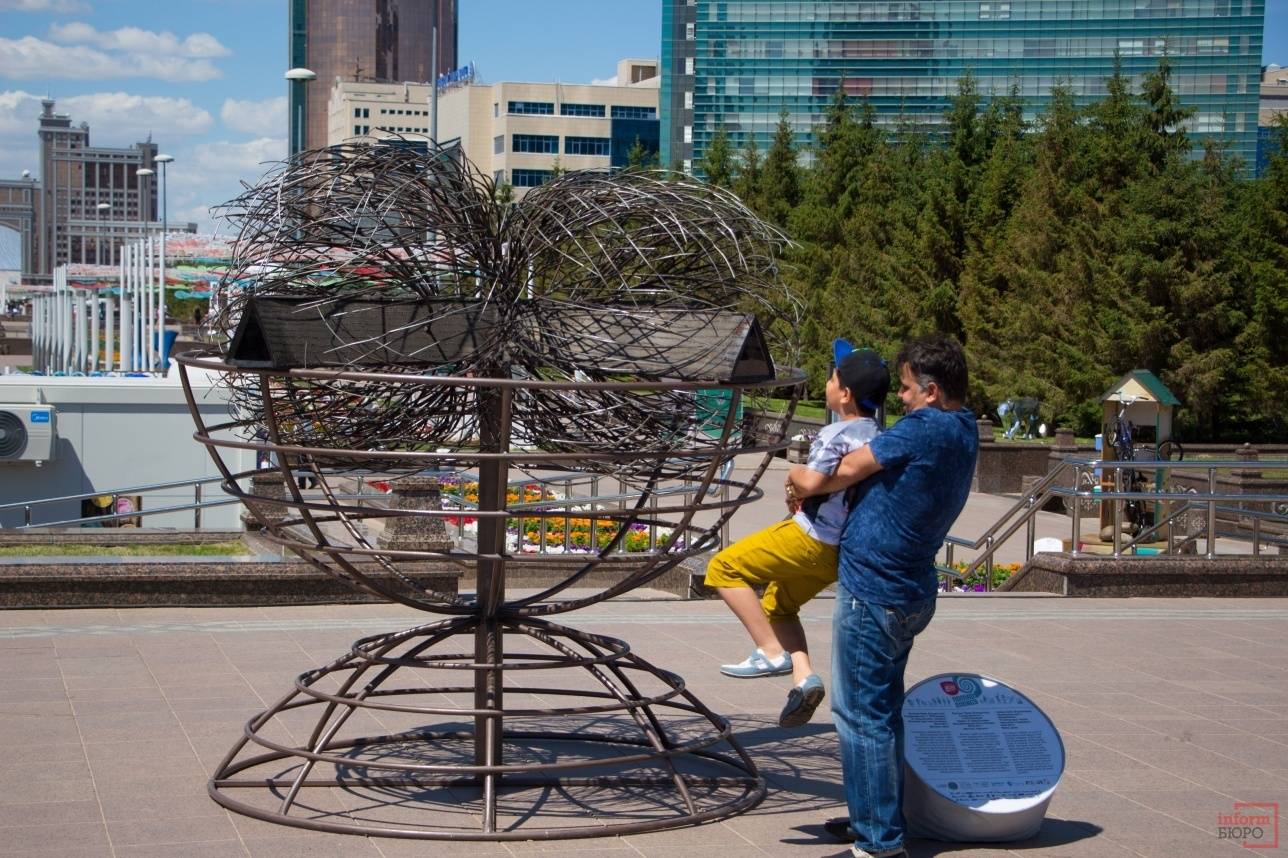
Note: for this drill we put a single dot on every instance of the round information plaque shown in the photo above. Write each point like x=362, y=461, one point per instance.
x=982, y=761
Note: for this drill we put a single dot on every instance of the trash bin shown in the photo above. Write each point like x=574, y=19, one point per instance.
x=167, y=343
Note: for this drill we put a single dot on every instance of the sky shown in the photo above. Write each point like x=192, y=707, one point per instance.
x=204, y=77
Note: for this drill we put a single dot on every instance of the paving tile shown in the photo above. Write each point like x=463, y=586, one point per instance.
x=85, y=811
x=74, y=790
x=1159, y=736
x=396, y=847
x=123, y=805
x=35, y=839
x=313, y=845
x=215, y=849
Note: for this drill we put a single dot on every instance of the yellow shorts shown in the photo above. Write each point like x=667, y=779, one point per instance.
x=792, y=565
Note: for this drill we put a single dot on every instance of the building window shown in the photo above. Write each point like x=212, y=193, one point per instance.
x=688, y=31
x=545, y=144
x=688, y=65
x=531, y=178
x=496, y=108
x=357, y=129
x=622, y=111
x=498, y=144
x=566, y=109
x=533, y=108
x=587, y=146
x=498, y=178
x=688, y=134
x=688, y=100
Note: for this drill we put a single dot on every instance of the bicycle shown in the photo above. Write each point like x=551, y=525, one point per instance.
x=1120, y=438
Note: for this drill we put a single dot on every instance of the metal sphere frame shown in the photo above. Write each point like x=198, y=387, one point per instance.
x=706, y=773
x=386, y=311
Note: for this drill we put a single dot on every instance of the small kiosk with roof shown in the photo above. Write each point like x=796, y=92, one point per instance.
x=1146, y=404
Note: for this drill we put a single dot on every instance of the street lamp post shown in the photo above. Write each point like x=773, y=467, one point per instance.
x=87, y=359
x=163, y=160
x=130, y=306
x=298, y=78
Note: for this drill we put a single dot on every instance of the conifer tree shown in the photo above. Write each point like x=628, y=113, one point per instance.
x=717, y=160
x=747, y=183
x=780, y=176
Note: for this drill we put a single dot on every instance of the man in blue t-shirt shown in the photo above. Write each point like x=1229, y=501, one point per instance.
x=910, y=484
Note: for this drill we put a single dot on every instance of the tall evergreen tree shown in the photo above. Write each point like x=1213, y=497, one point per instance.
x=780, y=177
x=640, y=157
x=747, y=183
x=717, y=160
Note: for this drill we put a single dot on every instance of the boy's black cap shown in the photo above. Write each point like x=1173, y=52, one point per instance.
x=863, y=372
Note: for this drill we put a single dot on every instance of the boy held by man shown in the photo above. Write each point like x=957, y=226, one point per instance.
x=796, y=558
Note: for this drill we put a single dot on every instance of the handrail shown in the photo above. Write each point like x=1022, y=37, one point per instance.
x=131, y=490
x=1027, y=507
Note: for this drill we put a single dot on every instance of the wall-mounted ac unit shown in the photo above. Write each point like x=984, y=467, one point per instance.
x=28, y=433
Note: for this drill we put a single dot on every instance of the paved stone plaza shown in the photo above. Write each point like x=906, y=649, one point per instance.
x=1171, y=711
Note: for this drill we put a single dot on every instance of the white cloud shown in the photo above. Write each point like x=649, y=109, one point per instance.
x=115, y=119
x=607, y=81
x=241, y=161
x=264, y=118
x=212, y=173
x=29, y=57
x=63, y=6
x=124, y=118
x=134, y=40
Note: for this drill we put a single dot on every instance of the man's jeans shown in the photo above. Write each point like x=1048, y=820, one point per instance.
x=870, y=646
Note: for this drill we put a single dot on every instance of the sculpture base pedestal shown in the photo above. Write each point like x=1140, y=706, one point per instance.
x=589, y=740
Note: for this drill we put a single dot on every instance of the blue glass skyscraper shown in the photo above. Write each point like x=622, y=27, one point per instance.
x=735, y=64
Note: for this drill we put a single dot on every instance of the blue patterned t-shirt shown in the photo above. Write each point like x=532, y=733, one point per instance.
x=900, y=516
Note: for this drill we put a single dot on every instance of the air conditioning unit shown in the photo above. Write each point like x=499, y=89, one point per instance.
x=28, y=433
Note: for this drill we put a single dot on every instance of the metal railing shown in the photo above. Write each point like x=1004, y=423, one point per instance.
x=563, y=491
x=199, y=503
x=564, y=487
x=1188, y=502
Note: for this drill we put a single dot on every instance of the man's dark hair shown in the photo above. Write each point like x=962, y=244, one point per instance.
x=936, y=358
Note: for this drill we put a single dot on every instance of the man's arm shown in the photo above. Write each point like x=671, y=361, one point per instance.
x=854, y=468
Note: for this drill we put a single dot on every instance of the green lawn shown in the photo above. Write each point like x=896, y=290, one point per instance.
x=156, y=550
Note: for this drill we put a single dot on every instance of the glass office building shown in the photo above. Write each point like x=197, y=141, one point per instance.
x=366, y=40
x=734, y=64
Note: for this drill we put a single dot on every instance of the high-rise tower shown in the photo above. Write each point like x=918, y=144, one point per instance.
x=377, y=40
x=735, y=64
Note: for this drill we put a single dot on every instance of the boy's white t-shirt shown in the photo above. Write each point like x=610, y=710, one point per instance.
x=831, y=445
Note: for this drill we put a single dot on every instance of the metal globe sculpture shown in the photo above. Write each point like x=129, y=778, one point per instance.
x=386, y=313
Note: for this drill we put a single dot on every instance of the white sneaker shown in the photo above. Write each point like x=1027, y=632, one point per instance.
x=858, y=852
x=758, y=664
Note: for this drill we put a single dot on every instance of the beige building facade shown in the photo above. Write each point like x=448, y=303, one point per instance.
x=517, y=133
x=1274, y=94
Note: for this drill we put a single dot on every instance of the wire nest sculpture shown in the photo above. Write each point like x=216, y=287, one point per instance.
x=592, y=277
x=386, y=312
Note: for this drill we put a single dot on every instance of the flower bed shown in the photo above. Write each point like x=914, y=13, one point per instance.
x=574, y=531
x=974, y=582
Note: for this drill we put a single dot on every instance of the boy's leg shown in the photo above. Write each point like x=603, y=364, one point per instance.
x=756, y=559
x=782, y=604
x=791, y=636
x=745, y=605
x=784, y=599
